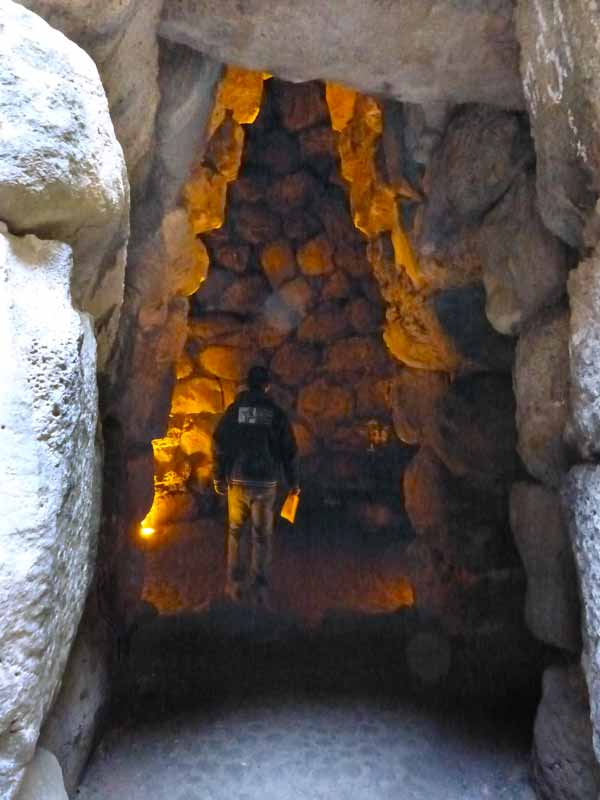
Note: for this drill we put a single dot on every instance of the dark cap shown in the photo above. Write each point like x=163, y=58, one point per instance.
x=258, y=377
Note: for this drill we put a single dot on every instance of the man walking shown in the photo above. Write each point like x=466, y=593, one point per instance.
x=252, y=444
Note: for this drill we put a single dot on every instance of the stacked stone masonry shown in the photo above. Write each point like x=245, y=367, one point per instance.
x=289, y=286
x=324, y=315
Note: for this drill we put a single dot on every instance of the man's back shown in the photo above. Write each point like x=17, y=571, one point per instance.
x=254, y=441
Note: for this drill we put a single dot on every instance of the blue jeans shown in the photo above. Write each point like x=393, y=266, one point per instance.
x=249, y=551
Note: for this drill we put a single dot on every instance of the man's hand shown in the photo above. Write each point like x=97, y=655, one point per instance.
x=220, y=487
x=294, y=490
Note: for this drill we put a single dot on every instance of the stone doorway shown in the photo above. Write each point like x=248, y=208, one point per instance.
x=306, y=208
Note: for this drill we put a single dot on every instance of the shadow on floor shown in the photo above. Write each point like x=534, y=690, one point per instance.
x=174, y=662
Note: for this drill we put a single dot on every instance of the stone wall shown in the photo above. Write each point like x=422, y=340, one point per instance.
x=293, y=283
x=463, y=237
x=62, y=178
x=289, y=286
x=50, y=499
x=556, y=384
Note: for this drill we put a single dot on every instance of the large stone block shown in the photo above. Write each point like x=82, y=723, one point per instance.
x=472, y=428
x=43, y=778
x=319, y=146
x=483, y=151
x=298, y=295
x=197, y=437
x=157, y=341
x=293, y=192
x=300, y=106
x=524, y=265
x=51, y=488
x=414, y=396
x=552, y=603
x=584, y=352
x=198, y=395
x=121, y=39
x=62, y=171
x=324, y=404
x=139, y=472
x=541, y=381
x=564, y=767
x=581, y=503
x=294, y=363
x=315, y=257
x=187, y=83
x=278, y=262
x=333, y=211
x=426, y=485
x=329, y=321
x=256, y=224
x=229, y=363
x=423, y=50
x=357, y=354
x=560, y=65
x=81, y=707
x=246, y=295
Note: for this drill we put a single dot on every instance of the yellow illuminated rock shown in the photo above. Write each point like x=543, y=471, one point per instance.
x=187, y=256
x=206, y=328
x=297, y=294
x=184, y=367
x=165, y=448
x=197, y=438
x=237, y=103
x=341, y=101
x=374, y=203
x=204, y=195
x=419, y=342
x=195, y=395
x=316, y=257
x=278, y=262
x=240, y=92
x=227, y=362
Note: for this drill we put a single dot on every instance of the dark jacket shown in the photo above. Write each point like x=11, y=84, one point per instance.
x=254, y=442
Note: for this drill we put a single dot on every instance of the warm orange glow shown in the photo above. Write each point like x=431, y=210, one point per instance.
x=359, y=120
x=208, y=371
x=412, y=332
x=204, y=196
x=238, y=102
x=341, y=101
x=240, y=92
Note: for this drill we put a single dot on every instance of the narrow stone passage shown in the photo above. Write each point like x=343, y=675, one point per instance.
x=299, y=746
x=341, y=690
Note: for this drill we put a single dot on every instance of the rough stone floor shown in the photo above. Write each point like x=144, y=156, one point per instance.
x=303, y=748
x=221, y=702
